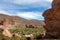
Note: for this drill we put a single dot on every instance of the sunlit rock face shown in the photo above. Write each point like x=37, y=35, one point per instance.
x=52, y=20
x=4, y=25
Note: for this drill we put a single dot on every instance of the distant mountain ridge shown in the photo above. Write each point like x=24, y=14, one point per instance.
x=21, y=22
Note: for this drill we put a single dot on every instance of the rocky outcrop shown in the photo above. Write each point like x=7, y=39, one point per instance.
x=52, y=20
x=5, y=24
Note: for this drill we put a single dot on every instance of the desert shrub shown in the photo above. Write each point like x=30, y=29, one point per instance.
x=28, y=38
x=26, y=31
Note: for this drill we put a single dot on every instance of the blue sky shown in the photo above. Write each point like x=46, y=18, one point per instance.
x=28, y=9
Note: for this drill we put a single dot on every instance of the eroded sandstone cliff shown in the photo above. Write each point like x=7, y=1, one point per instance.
x=52, y=20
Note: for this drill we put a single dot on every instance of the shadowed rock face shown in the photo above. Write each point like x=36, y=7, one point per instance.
x=52, y=20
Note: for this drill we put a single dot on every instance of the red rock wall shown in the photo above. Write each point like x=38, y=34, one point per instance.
x=52, y=20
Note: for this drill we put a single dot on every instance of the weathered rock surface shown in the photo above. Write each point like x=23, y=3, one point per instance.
x=52, y=20
x=5, y=24
x=56, y=4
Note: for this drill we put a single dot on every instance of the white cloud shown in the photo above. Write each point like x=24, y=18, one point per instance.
x=28, y=1
x=5, y=12
x=31, y=3
x=15, y=6
x=30, y=15
x=49, y=0
x=26, y=15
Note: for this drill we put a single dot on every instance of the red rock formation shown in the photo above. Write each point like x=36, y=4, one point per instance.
x=56, y=4
x=52, y=20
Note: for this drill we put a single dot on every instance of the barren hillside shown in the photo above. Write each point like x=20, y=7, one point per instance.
x=21, y=22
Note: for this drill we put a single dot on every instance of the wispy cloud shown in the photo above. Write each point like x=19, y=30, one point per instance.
x=30, y=15
x=5, y=12
x=29, y=9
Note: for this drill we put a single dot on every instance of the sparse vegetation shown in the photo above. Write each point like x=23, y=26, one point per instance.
x=27, y=30
x=36, y=32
